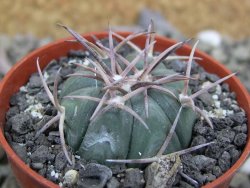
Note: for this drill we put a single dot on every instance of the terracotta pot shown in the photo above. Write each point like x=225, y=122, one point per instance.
x=20, y=73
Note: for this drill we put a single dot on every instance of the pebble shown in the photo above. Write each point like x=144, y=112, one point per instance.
x=210, y=177
x=35, y=81
x=42, y=97
x=235, y=154
x=216, y=171
x=197, y=141
x=210, y=37
x=95, y=175
x=203, y=163
x=40, y=155
x=206, y=98
x=226, y=134
x=224, y=161
x=178, y=66
x=220, y=124
x=37, y=166
x=71, y=177
x=238, y=118
x=212, y=77
x=113, y=183
x=134, y=178
x=12, y=112
x=20, y=150
x=240, y=128
x=60, y=161
x=240, y=139
x=21, y=123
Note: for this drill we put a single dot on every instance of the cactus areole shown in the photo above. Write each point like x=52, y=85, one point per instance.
x=120, y=107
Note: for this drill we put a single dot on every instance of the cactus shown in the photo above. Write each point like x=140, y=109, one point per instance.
x=131, y=107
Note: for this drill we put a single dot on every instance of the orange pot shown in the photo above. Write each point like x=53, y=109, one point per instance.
x=20, y=73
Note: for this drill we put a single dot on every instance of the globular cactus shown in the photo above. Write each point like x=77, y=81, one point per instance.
x=116, y=107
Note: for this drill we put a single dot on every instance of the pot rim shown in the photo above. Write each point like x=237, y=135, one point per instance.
x=236, y=82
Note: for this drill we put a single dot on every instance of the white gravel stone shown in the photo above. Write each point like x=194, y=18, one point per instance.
x=70, y=177
x=215, y=97
x=210, y=37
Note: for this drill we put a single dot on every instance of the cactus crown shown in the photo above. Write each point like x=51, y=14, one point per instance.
x=112, y=107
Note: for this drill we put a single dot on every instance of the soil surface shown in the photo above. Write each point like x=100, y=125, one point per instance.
x=229, y=17
x=31, y=109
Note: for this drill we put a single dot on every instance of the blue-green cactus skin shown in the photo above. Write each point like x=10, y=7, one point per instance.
x=116, y=134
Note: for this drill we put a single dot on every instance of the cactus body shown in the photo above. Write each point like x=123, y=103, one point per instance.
x=116, y=134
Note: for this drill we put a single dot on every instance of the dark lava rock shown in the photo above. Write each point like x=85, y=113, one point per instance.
x=203, y=163
x=212, y=77
x=21, y=123
x=66, y=71
x=241, y=128
x=37, y=166
x=224, y=161
x=52, y=67
x=35, y=81
x=197, y=141
x=42, y=97
x=235, y=154
x=226, y=136
x=113, y=183
x=40, y=155
x=216, y=171
x=50, y=110
x=118, y=168
x=133, y=178
x=214, y=151
x=20, y=150
x=226, y=103
x=189, y=166
x=206, y=99
x=232, y=95
x=210, y=177
x=240, y=139
x=18, y=138
x=238, y=118
x=94, y=175
x=222, y=123
x=60, y=161
x=42, y=140
x=196, y=175
x=225, y=87
x=53, y=139
x=42, y=122
x=17, y=98
x=178, y=66
x=76, y=53
x=12, y=112
x=205, y=131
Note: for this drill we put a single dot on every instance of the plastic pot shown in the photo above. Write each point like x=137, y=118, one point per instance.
x=20, y=73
